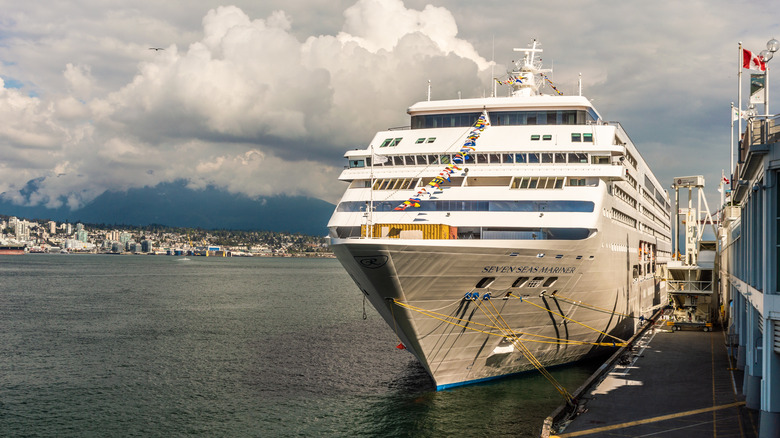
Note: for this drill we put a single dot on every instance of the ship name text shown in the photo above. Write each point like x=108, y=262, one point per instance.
x=528, y=269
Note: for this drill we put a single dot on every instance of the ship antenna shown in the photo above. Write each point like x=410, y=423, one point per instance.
x=429, y=90
x=493, y=68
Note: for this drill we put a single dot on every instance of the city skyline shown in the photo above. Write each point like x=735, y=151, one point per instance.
x=49, y=236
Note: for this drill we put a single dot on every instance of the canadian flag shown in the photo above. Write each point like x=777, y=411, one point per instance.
x=751, y=61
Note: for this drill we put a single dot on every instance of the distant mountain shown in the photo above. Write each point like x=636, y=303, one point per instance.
x=173, y=204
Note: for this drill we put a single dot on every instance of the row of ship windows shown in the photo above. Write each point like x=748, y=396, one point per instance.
x=448, y=206
x=484, y=158
x=513, y=182
x=490, y=233
x=658, y=200
x=576, y=137
x=626, y=219
x=628, y=199
x=506, y=118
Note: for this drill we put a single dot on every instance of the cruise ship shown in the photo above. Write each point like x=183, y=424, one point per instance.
x=497, y=235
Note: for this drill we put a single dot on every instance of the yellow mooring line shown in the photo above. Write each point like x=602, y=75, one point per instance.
x=647, y=420
x=505, y=330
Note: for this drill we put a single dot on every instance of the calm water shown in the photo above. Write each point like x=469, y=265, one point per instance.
x=94, y=345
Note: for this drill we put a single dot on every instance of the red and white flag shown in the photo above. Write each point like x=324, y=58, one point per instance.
x=752, y=62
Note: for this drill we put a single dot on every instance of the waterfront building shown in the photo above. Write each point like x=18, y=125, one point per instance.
x=751, y=258
x=52, y=228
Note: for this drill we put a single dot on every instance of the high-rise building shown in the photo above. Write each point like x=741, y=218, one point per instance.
x=52, y=227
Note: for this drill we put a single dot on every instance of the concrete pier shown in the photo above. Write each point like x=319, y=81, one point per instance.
x=673, y=384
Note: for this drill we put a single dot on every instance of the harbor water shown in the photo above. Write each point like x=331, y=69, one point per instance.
x=96, y=345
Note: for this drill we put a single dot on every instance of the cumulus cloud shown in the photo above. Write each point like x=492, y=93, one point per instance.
x=247, y=105
x=264, y=98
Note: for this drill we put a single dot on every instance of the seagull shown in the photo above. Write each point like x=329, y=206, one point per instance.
x=156, y=49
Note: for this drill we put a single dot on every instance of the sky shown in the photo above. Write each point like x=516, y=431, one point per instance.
x=263, y=98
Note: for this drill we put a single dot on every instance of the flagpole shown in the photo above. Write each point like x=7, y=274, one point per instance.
x=739, y=103
x=766, y=91
x=731, y=116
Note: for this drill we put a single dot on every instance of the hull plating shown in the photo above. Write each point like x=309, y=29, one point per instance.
x=420, y=292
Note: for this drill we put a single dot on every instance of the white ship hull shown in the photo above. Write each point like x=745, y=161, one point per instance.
x=460, y=344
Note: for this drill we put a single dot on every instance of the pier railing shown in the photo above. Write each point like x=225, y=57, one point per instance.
x=760, y=130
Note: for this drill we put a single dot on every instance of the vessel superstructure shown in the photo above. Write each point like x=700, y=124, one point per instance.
x=543, y=234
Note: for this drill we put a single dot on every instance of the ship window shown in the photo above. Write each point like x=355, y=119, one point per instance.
x=395, y=142
x=600, y=159
x=577, y=182
x=495, y=158
x=421, y=159
x=559, y=256
x=550, y=281
x=398, y=160
x=508, y=158
x=576, y=136
x=560, y=158
x=547, y=158
x=558, y=183
x=587, y=137
x=431, y=140
x=444, y=159
x=535, y=282
x=409, y=160
x=578, y=158
x=535, y=137
x=520, y=282
x=579, y=257
x=420, y=140
x=547, y=137
x=488, y=181
x=356, y=163
x=433, y=159
x=533, y=157
x=485, y=282
x=386, y=142
x=521, y=158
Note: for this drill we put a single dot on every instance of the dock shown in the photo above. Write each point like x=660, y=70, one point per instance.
x=670, y=383
x=710, y=366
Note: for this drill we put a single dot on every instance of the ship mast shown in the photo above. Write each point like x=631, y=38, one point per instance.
x=525, y=72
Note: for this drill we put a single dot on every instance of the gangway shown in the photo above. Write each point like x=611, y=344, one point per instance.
x=691, y=283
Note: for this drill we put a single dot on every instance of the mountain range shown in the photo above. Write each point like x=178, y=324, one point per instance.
x=175, y=205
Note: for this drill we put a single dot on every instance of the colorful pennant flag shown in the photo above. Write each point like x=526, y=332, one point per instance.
x=435, y=184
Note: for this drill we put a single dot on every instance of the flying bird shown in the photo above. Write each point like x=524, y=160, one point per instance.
x=156, y=49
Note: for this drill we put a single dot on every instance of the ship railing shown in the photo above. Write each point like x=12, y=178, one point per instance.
x=682, y=286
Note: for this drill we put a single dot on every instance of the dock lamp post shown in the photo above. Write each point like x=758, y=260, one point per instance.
x=772, y=46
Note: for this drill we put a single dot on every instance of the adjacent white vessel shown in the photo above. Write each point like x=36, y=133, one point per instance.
x=537, y=235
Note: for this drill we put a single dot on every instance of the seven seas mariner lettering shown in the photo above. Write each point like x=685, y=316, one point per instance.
x=529, y=269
